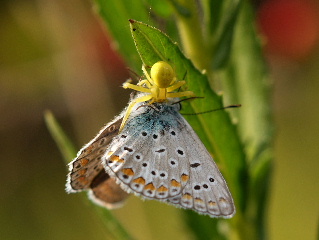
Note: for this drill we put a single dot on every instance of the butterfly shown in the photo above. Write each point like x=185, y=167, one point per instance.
x=154, y=153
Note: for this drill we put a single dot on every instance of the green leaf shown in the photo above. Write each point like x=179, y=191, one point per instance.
x=115, y=14
x=183, y=11
x=159, y=8
x=203, y=227
x=215, y=129
x=260, y=172
x=213, y=15
x=220, y=22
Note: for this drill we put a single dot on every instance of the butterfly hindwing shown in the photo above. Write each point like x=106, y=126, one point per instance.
x=106, y=192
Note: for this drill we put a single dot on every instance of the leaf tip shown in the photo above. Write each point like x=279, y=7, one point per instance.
x=48, y=115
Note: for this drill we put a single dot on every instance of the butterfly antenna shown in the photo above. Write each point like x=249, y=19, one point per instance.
x=213, y=110
x=185, y=75
x=186, y=99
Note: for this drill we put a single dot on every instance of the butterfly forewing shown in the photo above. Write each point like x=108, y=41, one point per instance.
x=159, y=156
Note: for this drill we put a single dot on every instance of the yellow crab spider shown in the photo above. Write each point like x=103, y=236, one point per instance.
x=159, y=86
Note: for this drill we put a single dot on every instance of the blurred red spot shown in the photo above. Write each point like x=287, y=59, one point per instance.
x=290, y=26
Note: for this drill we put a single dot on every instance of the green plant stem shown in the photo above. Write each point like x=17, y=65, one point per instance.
x=191, y=34
x=112, y=224
x=65, y=146
x=68, y=151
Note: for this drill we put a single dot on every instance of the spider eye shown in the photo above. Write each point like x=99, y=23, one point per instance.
x=162, y=74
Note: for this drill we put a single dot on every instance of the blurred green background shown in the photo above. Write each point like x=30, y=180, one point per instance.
x=57, y=55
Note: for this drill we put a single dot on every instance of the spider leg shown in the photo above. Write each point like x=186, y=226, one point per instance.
x=136, y=88
x=128, y=81
x=130, y=107
x=174, y=80
x=147, y=75
x=181, y=94
x=146, y=82
x=175, y=86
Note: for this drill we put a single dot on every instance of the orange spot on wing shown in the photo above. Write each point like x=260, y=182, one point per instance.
x=128, y=171
x=198, y=200
x=115, y=158
x=84, y=161
x=82, y=171
x=184, y=177
x=162, y=189
x=174, y=183
x=139, y=180
x=187, y=196
x=212, y=204
x=89, y=149
x=222, y=199
x=83, y=180
x=109, y=153
x=150, y=186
